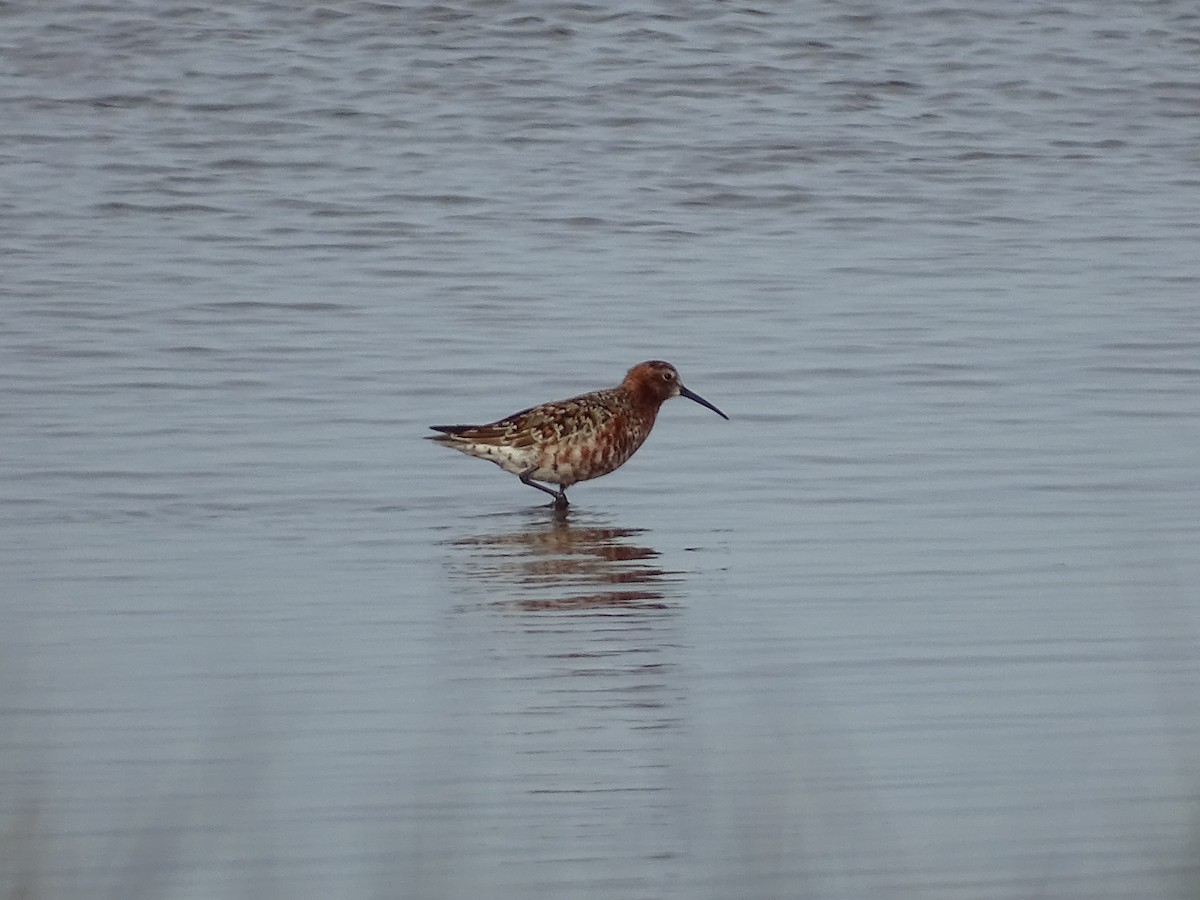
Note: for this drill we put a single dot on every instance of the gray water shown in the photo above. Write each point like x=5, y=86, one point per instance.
x=920, y=621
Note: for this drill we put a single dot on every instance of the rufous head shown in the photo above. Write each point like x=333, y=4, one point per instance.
x=658, y=381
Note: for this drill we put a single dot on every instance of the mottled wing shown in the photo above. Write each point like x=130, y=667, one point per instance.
x=501, y=433
x=563, y=421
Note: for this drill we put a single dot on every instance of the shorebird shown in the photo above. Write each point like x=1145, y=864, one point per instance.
x=574, y=440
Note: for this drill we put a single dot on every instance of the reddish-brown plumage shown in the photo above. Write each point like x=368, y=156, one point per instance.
x=574, y=440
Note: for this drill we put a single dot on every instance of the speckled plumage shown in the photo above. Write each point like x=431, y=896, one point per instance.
x=574, y=440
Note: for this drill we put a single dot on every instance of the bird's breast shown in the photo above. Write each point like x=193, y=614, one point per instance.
x=587, y=453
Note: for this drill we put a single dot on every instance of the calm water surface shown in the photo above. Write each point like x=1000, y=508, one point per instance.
x=920, y=621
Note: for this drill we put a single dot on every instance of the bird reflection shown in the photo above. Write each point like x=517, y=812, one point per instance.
x=567, y=687
x=567, y=561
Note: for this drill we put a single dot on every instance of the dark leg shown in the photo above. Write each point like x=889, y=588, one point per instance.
x=560, y=496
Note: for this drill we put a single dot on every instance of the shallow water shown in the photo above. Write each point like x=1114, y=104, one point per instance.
x=920, y=620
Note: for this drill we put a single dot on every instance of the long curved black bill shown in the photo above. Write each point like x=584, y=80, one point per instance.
x=684, y=392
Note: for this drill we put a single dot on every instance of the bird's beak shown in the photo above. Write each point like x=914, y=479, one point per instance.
x=684, y=392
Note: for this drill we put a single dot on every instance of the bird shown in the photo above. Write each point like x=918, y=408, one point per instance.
x=578, y=439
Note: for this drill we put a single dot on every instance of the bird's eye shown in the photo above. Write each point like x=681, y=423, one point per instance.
x=668, y=376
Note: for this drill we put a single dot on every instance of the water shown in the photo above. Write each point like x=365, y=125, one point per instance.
x=920, y=621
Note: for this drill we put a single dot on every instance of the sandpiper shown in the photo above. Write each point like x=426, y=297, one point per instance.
x=577, y=439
